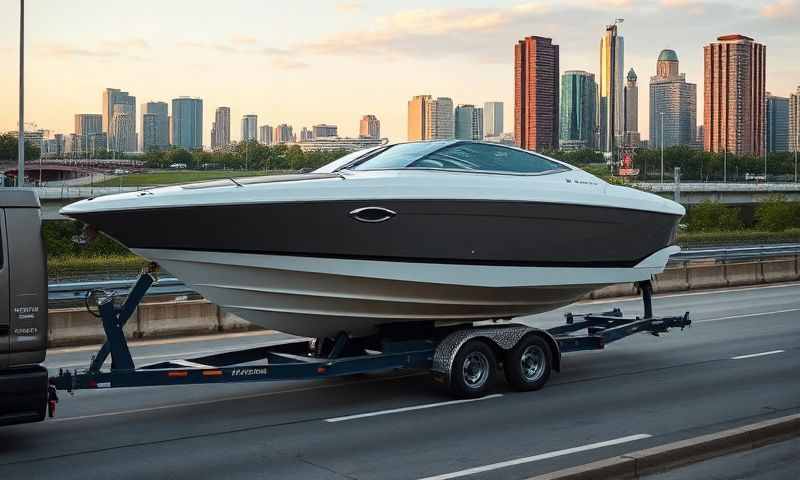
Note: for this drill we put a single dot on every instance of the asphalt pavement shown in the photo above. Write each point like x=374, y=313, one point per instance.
x=738, y=364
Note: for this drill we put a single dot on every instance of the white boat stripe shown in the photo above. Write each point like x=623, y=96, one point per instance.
x=539, y=457
x=409, y=409
x=753, y=355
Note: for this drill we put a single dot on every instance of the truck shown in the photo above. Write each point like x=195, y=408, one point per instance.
x=23, y=309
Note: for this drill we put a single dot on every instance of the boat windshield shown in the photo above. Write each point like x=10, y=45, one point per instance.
x=468, y=156
x=397, y=156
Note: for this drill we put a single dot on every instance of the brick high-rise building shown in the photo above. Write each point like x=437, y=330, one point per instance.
x=369, y=127
x=794, y=121
x=536, y=78
x=734, y=99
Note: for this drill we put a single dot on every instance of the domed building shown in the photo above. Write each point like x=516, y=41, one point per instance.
x=673, y=104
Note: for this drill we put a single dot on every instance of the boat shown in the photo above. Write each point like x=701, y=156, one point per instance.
x=420, y=233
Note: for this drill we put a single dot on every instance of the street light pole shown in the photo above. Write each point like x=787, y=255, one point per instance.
x=662, y=147
x=725, y=165
x=21, y=139
x=796, y=142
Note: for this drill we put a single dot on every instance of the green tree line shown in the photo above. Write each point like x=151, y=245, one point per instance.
x=695, y=164
x=9, y=148
x=246, y=155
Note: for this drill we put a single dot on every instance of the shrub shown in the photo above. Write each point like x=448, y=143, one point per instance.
x=713, y=216
x=776, y=214
x=58, y=236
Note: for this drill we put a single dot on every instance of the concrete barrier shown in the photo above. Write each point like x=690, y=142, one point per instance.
x=673, y=279
x=705, y=275
x=177, y=318
x=634, y=465
x=780, y=270
x=165, y=317
x=748, y=273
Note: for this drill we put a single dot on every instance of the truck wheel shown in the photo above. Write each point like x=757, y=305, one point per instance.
x=473, y=371
x=527, y=365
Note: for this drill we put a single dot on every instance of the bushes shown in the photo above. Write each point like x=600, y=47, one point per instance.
x=58, y=236
x=713, y=217
x=776, y=214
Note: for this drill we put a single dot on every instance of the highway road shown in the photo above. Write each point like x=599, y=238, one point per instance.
x=738, y=364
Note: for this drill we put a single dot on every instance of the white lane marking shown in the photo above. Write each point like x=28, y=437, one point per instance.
x=746, y=315
x=410, y=409
x=632, y=298
x=228, y=399
x=753, y=355
x=536, y=458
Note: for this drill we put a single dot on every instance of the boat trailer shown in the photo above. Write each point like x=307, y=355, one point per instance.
x=464, y=357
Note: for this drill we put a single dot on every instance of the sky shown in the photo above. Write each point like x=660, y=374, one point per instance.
x=331, y=61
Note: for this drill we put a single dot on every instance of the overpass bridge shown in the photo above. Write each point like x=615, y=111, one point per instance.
x=728, y=193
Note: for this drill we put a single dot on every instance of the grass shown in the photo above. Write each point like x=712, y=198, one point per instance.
x=175, y=177
x=76, y=266
x=690, y=239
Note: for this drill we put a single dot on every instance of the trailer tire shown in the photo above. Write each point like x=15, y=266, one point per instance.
x=527, y=366
x=473, y=370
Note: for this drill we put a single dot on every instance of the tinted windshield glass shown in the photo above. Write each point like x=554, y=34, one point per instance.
x=398, y=156
x=490, y=158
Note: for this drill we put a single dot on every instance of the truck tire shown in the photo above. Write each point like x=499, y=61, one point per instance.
x=527, y=365
x=473, y=370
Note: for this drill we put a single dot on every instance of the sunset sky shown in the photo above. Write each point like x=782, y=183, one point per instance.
x=305, y=62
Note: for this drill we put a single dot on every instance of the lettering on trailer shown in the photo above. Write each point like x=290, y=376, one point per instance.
x=26, y=313
x=246, y=372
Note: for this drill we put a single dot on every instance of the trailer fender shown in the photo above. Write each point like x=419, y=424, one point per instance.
x=504, y=338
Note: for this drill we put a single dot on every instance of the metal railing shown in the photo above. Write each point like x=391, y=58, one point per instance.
x=75, y=292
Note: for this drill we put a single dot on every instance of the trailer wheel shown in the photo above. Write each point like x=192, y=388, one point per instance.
x=473, y=370
x=528, y=364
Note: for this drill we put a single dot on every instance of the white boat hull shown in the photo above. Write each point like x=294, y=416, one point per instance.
x=320, y=297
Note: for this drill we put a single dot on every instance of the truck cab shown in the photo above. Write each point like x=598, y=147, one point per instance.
x=23, y=309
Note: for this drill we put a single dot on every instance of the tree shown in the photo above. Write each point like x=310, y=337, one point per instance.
x=777, y=214
x=713, y=216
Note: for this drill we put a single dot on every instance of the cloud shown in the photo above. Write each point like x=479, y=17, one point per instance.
x=350, y=6
x=780, y=9
x=243, y=45
x=128, y=48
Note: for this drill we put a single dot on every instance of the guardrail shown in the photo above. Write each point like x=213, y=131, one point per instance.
x=75, y=292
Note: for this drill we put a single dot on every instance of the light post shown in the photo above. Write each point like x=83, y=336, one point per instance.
x=796, y=141
x=725, y=165
x=765, y=156
x=662, y=147
x=21, y=139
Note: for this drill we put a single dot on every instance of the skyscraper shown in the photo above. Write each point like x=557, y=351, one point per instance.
x=148, y=133
x=439, y=120
x=631, y=128
x=323, y=130
x=492, y=119
x=469, y=122
x=430, y=118
x=221, y=128
x=88, y=123
x=112, y=97
x=306, y=134
x=673, y=101
x=794, y=121
x=536, y=94
x=159, y=138
x=187, y=123
x=249, y=127
x=369, y=127
x=265, y=135
x=777, y=124
x=578, y=110
x=283, y=134
x=734, y=96
x=122, y=137
x=611, y=108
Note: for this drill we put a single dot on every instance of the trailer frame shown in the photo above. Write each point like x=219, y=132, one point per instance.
x=303, y=359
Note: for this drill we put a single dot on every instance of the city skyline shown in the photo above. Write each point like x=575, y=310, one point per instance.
x=142, y=59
